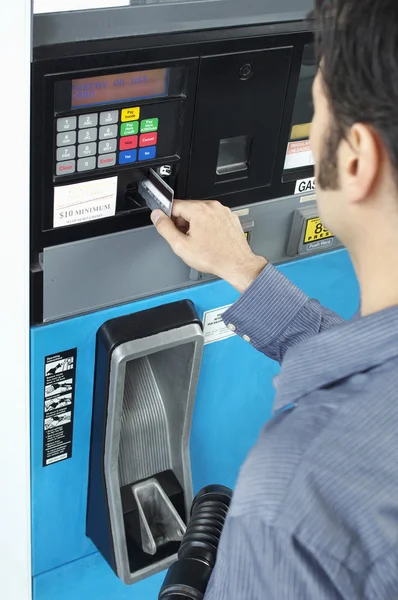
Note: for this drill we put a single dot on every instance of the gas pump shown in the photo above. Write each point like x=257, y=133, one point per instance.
x=140, y=395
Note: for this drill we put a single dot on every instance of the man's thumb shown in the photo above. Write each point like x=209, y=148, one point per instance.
x=166, y=228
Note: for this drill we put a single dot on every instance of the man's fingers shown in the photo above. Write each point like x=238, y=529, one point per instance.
x=181, y=224
x=167, y=229
x=185, y=209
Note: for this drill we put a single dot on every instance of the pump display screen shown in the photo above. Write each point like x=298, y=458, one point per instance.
x=299, y=153
x=120, y=87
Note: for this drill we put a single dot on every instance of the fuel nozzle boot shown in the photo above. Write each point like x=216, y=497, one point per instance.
x=160, y=522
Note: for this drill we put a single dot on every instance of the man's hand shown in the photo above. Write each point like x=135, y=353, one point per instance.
x=208, y=237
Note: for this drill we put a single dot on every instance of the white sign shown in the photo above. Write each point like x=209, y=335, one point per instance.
x=298, y=155
x=305, y=185
x=213, y=326
x=52, y=6
x=82, y=202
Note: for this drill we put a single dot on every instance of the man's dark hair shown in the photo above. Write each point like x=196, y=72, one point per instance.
x=357, y=42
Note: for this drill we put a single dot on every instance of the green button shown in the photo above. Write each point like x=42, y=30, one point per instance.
x=129, y=128
x=148, y=125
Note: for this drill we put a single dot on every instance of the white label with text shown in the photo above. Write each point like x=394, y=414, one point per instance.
x=305, y=185
x=82, y=202
x=299, y=155
x=214, y=328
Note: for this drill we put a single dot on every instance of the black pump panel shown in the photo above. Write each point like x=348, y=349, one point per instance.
x=239, y=104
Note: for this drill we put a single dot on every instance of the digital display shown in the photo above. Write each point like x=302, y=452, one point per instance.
x=121, y=87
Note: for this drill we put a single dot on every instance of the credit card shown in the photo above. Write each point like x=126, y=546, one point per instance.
x=156, y=193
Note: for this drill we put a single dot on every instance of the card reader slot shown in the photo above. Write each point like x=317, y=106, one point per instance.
x=132, y=197
x=149, y=191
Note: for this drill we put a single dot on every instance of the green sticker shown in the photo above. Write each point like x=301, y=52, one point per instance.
x=129, y=128
x=149, y=125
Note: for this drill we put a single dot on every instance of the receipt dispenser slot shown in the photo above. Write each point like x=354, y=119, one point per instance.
x=140, y=484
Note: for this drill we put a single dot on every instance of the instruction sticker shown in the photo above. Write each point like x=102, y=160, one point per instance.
x=59, y=398
x=81, y=202
x=214, y=328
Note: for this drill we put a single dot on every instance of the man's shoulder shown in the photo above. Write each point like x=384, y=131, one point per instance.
x=277, y=459
x=324, y=469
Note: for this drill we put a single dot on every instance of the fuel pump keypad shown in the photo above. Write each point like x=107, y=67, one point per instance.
x=87, y=135
x=126, y=143
x=92, y=141
x=130, y=114
x=107, y=132
x=148, y=139
x=129, y=128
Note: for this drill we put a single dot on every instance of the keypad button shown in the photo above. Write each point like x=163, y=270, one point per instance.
x=67, y=153
x=148, y=139
x=108, y=118
x=149, y=125
x=106, y=160
x=86, y=150
x=128, y=142
x=66, y=139
x=106, y=147
x=129, y=156
x=131, y=114
x=147, y=153
x=129, y=128
x=88, y=121
x=108, y=132
x=87, y=135
x=66, y=124
x=86, y=164
x=65, y=168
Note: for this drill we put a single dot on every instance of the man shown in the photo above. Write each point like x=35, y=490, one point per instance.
x=315, y=512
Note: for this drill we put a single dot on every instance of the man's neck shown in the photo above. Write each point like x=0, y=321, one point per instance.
x=376, y=267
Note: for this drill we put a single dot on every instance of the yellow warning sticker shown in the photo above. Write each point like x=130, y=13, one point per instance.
x=315, y=231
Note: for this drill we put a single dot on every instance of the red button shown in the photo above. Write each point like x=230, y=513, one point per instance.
x=128, y=142
x=148, y=139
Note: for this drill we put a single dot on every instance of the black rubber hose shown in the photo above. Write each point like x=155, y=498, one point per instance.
x=188, y=577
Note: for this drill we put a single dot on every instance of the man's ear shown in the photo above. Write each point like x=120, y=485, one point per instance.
x=361, y=160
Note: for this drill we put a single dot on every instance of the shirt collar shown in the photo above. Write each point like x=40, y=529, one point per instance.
x=335, y=354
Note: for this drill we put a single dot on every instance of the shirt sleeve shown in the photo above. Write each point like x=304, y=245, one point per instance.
x=273, y=314
x=262, y=562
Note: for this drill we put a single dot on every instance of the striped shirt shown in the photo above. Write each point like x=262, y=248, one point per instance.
x=315, y=510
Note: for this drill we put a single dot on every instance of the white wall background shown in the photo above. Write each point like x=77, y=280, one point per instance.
x=15, y=40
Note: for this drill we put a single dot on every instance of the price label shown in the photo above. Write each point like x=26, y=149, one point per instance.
x=315, y=231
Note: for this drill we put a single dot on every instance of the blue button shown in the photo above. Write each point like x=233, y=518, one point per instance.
x=129, y=156
x=147, y=153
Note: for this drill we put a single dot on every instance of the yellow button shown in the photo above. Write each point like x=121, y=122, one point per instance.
x=231, y=327
x=315, y=231
x=246, y=338
x=131, y=114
